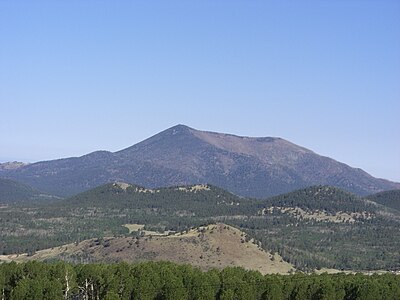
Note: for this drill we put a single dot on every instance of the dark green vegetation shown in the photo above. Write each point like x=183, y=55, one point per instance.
x=352, y=234
x=311, y=228
x=103, y=210
x=161, y=280
x=389, y=198
x=12, y=191
x=253, y=167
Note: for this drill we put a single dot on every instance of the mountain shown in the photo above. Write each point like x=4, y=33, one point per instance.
x=388, y=198
x=15, y=192
x=255, y=167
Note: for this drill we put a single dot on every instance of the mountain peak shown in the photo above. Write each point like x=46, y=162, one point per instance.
x=180, y=128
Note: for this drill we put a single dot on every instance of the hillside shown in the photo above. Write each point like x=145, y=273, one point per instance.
x=388, y=198
x=255, y=167
x=316, y=227
x=103, y=210
x=15, y=192
x=190, y=200
x=326, y=226
x=323, y=198
x=213, y=246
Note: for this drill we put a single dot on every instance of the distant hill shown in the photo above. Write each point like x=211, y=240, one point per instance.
x=324, y=198
x=388, y=198
x=15, y=192
x=255, y=167
x=188, y=201
x=326, y=226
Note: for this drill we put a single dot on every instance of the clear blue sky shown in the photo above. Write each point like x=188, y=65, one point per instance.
x=78, y=76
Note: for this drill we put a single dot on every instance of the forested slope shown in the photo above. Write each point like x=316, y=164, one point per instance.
x=389, y=198
x=15, y=192
x=316, y=227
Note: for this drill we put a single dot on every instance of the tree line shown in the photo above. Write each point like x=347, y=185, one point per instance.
x=163, y=280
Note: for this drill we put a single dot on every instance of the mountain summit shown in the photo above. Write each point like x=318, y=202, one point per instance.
x=180, y=155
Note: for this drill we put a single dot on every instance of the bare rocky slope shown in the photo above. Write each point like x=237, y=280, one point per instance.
x=247, y=166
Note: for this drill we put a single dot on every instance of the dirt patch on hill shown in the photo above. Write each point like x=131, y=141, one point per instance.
x=321, y=215
x=213, y=246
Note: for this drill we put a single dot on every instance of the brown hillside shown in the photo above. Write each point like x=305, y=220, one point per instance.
x=214, y=246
